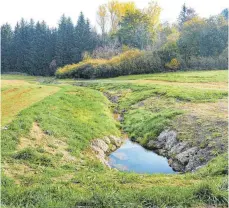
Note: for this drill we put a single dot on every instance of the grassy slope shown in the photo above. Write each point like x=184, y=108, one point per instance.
x=22, y=94
x=190, y=76
x=47, y=163
x=151, y=106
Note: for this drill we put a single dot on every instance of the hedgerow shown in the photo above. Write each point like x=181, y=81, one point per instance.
x=130, y=62
x=134, y=61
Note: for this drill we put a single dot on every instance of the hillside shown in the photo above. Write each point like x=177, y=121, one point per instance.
x=49, y=126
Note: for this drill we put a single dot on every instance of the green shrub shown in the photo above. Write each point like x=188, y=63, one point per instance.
x=206, y=63
x=174, y=64
x=138, y=62
x=130, y=62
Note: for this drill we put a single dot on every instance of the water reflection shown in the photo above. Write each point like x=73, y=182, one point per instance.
x=133, y=157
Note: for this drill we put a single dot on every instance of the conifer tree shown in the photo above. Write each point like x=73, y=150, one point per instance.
x=6, y=47
x=186, y=14
x=65, y=41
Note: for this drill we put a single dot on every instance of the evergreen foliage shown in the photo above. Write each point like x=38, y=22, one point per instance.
x=36, y=49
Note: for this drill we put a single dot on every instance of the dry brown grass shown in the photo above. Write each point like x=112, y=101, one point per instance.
x=51, y=145
x=14, y=83
x=16, y=171
x=38, y=139
x=18, y=95
x=217, y=109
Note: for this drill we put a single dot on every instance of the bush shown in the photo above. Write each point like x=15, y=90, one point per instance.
x=138, y=62
x=210, y=62
x=129, y=62
x=174, y=64
x=107, y=51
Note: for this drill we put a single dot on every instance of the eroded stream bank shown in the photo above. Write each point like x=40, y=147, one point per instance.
x=126, y=155
x=182, y=156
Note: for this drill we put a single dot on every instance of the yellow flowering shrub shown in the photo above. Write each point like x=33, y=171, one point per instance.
x=174, y=64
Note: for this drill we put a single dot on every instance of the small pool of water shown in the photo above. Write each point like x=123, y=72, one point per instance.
x=132, y=157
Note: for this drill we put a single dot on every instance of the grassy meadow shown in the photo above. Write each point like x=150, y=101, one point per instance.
x=47, y=126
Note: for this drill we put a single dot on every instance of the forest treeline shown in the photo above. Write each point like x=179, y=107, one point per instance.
x=130, y=41
x=36, y=49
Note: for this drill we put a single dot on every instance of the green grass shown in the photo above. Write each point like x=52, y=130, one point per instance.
x=23, y=95
x=161, y=103
x=58, y=114
x=188, y=77
x=142, y=123
x=42, y=176
x=134, y=92
x=17, y=77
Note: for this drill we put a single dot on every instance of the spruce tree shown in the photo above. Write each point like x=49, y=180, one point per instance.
x=6, y=47
x=186, y=14
x=65, y=41
x=85, y=38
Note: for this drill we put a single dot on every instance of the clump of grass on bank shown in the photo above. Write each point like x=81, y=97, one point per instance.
x=144, y=123
x=216, y=167
x=210, y=194
x=34, y=157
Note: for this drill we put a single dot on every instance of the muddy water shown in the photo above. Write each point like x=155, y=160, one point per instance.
x=132, y=157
